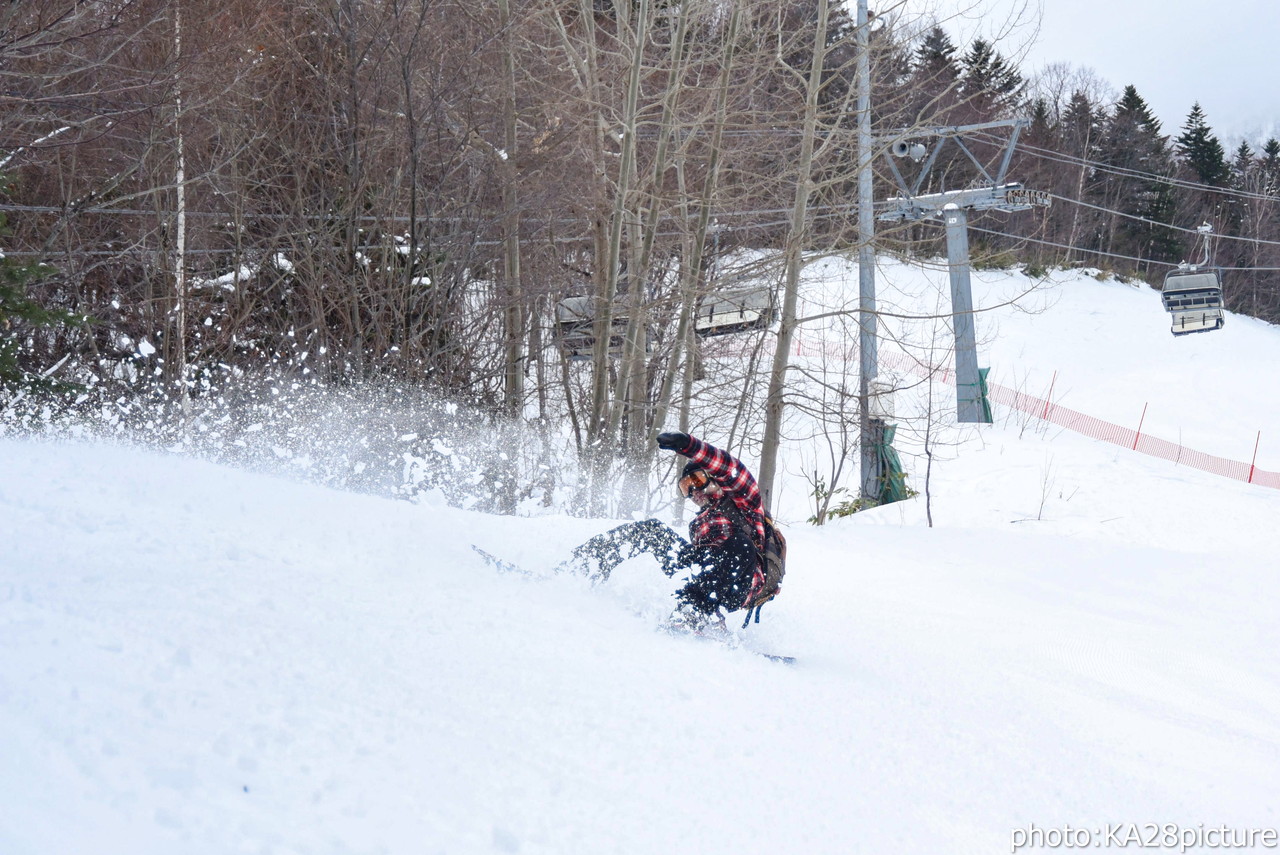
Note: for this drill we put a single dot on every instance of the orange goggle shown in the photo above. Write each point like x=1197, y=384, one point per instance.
x=698, y=479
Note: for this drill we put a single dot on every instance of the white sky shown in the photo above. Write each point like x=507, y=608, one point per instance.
x=1176, y=52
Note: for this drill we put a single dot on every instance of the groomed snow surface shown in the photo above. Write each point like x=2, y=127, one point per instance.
x=200, y=660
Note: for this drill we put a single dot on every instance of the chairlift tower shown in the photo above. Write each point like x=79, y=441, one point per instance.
x=953, y=207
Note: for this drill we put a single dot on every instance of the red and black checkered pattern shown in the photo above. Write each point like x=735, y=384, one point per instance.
x=712, y=526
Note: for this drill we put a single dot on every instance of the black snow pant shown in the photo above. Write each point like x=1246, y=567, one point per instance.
x=722, y=577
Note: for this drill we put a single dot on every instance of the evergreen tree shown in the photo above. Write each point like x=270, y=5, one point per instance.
x=1041, y=131
x=801, y=17
x=1204, y=160
x=1241, y=176
x=987, y=80
x=1079, y=134
x=936, y=56
x=933, y=95
x=1038, y=173
x=1202, y=151
x=1243, y=166
x=1271, y=165
x=20, y=316
x=1243, y=157
x=1081, y=128
x=892, y=69
x=934, y=75
x=1140, y=160
x=1242, y=210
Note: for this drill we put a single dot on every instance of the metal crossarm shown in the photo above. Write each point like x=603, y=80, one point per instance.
x=956, y=133
x=1004, y=197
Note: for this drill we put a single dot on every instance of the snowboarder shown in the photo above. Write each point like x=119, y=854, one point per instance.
x=726, y=537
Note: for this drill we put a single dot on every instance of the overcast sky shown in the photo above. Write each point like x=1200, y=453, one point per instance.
x=1224, y=54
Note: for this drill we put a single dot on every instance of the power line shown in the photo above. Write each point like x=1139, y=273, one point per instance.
x=363, y=218
x=820, y=212
x=1125, y=172
x=1159, y=224
x=1106, y=254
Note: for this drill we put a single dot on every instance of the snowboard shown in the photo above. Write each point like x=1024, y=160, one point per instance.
x=499, y=564
x=729, y=642
x=504, y=566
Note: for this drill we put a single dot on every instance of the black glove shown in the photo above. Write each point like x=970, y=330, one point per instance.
x=674, y=441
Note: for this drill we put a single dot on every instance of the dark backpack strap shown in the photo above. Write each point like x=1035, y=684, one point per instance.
x=761, y=573
x=739, y=518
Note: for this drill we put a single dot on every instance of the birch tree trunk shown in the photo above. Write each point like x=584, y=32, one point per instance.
x=691, y=269
x=797, y=232
x=633, y=32
x=638, y=450
x=180, y=237
x=513, y=313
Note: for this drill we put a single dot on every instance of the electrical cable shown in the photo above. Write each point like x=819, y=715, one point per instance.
x=1043, y=242
x=1157, y=224
x=1125, y=172
x=820, y=212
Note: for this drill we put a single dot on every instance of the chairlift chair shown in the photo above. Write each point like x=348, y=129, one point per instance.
x=1194, y=298
x=723, y=314
x=575, y=328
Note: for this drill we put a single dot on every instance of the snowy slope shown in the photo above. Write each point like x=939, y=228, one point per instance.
x=200, y=660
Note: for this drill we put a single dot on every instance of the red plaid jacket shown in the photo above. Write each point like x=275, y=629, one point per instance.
x=712, y=527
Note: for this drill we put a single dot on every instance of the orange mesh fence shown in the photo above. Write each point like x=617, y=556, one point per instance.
x=1070, y=419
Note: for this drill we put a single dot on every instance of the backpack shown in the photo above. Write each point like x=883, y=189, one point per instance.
x=771, y=561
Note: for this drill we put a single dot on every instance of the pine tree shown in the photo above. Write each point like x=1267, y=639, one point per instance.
x=19, y=316
x=936, y=56
x=1202, y=151
x=1081, y=128
x=1139, y=155
x=1079, y=134
x=1038, y=173
x=1243, y=156
x=1244, y=164
x=933, y=95
x=1204, y=161
x=1042, y=129
x=1271, y=165
x=1241, y=176
x=987, y=79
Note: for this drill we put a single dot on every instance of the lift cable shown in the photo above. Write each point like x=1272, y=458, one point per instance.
x=1125, y=172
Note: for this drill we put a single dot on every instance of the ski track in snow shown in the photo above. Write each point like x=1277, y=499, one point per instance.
x=200, y=660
